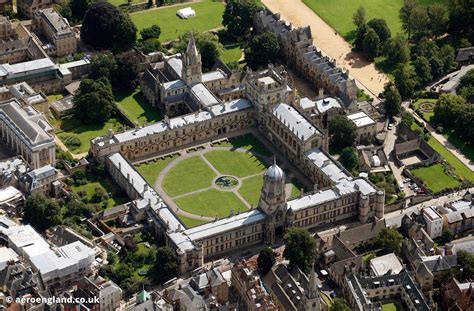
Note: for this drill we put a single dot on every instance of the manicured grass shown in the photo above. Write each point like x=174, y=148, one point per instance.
x=248, y=142
x=435, y=177
x=465, y=148
x=152, y=169
x=137, y=108
x=460, y=169
x=235, y=163
x=54, y=97
x=188, y=175
x=391, y=307
x=117, y=197
x=85, y=132
x=295, y=191
x=232, y=53
x=339, y=13
x=191, y=222
x=208, y=16
x=211, y=203
x=125, y=2
x=251, y=188
x=426, y=115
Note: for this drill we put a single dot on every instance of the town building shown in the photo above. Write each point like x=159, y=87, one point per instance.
x=366, y=127
x=458, y=216
x=28, y=8
x=457, y=295
x=322, y=110
x=26, y=95
x=434, y=222
x=386, y=264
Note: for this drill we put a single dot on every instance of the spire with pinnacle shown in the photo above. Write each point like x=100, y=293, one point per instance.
x=312, y=290
x=191, y=50
x=191, y=71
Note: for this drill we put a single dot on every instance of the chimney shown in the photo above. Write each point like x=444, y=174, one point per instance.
x=321, y=92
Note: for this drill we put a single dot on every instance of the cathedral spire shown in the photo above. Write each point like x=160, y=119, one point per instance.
x=191, y=50
x=312, y=290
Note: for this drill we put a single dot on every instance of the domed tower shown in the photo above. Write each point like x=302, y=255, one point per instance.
x=192, y=70
x=379, y=203
x=272, y=200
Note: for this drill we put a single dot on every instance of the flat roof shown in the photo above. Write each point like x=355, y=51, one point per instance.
x=295, y=122
x=384, y=264
x=361, y=119
x=232, y=106
x=203, y=95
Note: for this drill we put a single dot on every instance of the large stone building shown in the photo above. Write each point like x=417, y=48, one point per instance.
x=267, y=105
x=28, y=8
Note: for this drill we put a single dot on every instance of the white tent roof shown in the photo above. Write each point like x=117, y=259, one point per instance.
x=186, y=12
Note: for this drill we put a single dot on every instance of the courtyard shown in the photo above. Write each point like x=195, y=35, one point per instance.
x=435, y=177
x=137, y=108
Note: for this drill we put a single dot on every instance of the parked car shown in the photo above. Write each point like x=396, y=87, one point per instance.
x=401, y=186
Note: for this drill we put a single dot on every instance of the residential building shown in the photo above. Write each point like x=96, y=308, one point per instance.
x=434, y=222
x=211, y=283
x=457, y=295
x=431, y=269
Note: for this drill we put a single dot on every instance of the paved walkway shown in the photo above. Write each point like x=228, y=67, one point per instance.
x=331, y=43
x=441, y=139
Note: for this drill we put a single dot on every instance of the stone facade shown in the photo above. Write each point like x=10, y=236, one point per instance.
x=28, y=8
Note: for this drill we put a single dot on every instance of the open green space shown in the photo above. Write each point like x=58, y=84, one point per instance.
x=435, y=177
x=116, y=195
x=191, y=222
x=152, y=169
x=72, y=127
x=188, y=175
x=462, y=170
x=211, y=203
x=466, y=148
x=125, y=2
x=248, y=142
x=235, y=163
x=208, y=16
x=250, y=189
x=425, y=113
x=137, y=108
x=392, y=306
x=232, y=53
x=339, y=13
x=56, y=96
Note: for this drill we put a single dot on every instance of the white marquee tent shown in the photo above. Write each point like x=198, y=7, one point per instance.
x=186, y=13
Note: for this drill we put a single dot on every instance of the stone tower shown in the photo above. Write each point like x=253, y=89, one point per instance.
x=192, y=70
x=313, y=298
x=273, y=200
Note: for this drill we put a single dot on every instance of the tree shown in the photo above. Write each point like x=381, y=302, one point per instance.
x=300, y=248
x=94, y=102
x=466, y=261
x=41, y=212
x=7, y=11
x=392, y=98
x=438, y=19
x=360, y=35
x=342, y=131
x=79, y=8
x=152, y=32
x=447, y=236
x=339, y=304
x=406, y=15
x=262, y=50
x=238, y=16
x=466, y=86
x=407, y=119
x=266, y=259
x=208, y=45
x=105, y=27
x=405, y=80
x=423, y=69
x=461, y=15
x=420, y=22
x=446, y=55
x=350, y=160
x=359, y=17
x=371, y=44
x=166, y=263
x=397, y=50
x=390, y=240
x=447, y=110
x=381, y=28
x=103, y=65
x=125, y=77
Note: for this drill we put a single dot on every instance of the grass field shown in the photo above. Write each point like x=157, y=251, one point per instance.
x=84, y=132
x=391, y=307
x=435, y=177
x=152, y=169
x=426, y=115
x=232, y=53
x=208, y=16
x=117, y=197
x=191, y=222
x=235, y=163
x=125, y=2
x=136, y=107
x=248, y=142
x=182, y=178
x=250, y=189
x=54, y=97
x=339, y=13
x=211, y=203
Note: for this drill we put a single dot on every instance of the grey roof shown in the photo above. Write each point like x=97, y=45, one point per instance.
x=326, y=164
x=232, y=106
x=321, y=105
x=176, y=65
x=385, y=264
x=361, y=119
x=213, y=76
x=295, y=122
x=173, y=85
x=58, y=24
x=312, y=199
x=203, y=95
x=38, y=65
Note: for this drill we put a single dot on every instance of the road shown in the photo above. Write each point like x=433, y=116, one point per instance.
x=331, y=43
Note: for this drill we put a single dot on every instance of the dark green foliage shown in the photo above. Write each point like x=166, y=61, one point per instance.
x=339, y=304
x=72, y=142
x=125, y=78
x=152, y=32
x=393, y=100
x=407, y=119
x=166, y=264
x=381, y=28
x=149, y=46
x=397, y=50
x=420, y=22
x=105, y=27
x=466, y=261
x=238, y=16
x=405, y=80
x=99, y=196
x=208, y=45
x=360, y=35
x=447, y=236
x=103, y=65
x=7, y=10
x=390, y=240
x=79, y=8
x=262, y=50
x=350, y=160
x=300, y=248
x=461, y=17
x=406, y=15
x=342, y=131
x=94, y=102
x=371, y=44
x=423, y=69
x=359, y=17
x=266, y=259
x=466, y=86
x=41, y=212
x=437, y=19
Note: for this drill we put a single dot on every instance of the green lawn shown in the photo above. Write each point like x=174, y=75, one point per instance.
x=54, y=97
x=232, y=53
x=235, y=163
x=65, y=128
x=137, y=108
x=248, y=142
x=117, y=197
x=466, y=149
x=125, y=2
x=460, y=169
x=426, y=115
x=152, y=169
x=182, y=178
x=250, y=189
x=391, y=307
x=191, y=222
x=208, y=16
x=435, y=177
x=339, y=13
x=211, y=203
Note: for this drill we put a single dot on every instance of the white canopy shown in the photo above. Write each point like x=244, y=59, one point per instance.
x=186, y=13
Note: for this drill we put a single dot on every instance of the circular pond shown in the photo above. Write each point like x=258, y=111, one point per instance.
x=226, y=182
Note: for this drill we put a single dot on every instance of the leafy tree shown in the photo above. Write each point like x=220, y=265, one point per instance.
x=208, y=45
x=266, y=259
x=407, y=119
x=390, y=240
x=360, y=35
x=446, y=55
x=447, y=109
x=342, y=131
x=94, y=102
x=381, y=28
x=300, y=248
x=7, y=10
x=99, y=196
x=262, y=50
x=149, y=46
x=339, y=304
x=420, y=22
x=166, y=263
x=392, y=98
x=423, y=69
x=238, y=16
x=152, y=32
x=125, y=78
x=79, y=8
x=406, y=15
x=359, y=17
x=371, y=43
x=466, y=261
x=103, y=65
x=438, y=19
x=350, y=160
x=461, y=15
x=425, y=47
x=447, y=236
x=466, y=86
x=397, y=50
x=105, y=27
x=405, y=80
x=41, y=212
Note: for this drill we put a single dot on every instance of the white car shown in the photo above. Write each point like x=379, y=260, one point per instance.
x=401, y=186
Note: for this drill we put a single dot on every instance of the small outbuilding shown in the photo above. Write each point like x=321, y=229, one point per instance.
x=186, y=13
